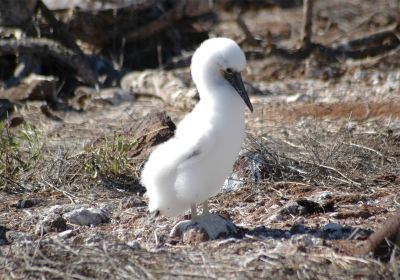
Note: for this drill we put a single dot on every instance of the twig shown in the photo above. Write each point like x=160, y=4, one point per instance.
x=387, y=231
x=12, y=181
x=67, y=194
x=55, y=272
x=243, y=26
x=371, y=150
x=340, y=173
x=307, y=24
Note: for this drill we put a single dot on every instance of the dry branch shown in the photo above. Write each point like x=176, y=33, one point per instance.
x=249, y=38
x=307, y=24
x=59, y=29
x=370, y=45
x=384, y=240
x=46, y=47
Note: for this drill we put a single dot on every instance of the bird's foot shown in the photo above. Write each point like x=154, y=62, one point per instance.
x=210, y=224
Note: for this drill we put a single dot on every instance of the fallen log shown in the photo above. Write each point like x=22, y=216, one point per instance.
x=47, y=47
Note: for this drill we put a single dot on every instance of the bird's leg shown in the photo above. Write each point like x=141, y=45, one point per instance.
x=205, y=208
x=193, y=210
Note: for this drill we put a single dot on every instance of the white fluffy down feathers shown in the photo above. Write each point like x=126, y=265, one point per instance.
x=192, y=166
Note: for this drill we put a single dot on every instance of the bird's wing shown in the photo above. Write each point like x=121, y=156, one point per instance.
x=194, y=147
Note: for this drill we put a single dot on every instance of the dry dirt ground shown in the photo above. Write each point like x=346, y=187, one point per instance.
x=331, y=142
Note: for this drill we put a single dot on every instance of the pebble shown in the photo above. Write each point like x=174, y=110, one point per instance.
x=88, y=216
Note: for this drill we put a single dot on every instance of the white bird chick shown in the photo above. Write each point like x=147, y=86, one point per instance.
x=192, y=166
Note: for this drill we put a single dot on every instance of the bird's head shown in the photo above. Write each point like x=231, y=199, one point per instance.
x=220, y=60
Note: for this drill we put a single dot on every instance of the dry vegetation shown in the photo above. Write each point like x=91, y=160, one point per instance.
x=319, y=172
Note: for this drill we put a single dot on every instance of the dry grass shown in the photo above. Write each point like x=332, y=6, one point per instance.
x=105, y=258
x=288, y=157
x=312, y=154
x=308, y=155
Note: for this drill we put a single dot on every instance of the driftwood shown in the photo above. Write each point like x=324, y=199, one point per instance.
x=46, y=47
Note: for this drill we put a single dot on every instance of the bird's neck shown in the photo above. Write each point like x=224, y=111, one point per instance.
x=222, y=99
x=216, y=95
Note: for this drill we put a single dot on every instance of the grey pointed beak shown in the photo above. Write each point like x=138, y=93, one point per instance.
x=235, y=79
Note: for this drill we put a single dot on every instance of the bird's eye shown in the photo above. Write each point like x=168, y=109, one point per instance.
x=229, y=70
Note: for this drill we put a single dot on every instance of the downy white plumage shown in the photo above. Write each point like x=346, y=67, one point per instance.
x=192, y=166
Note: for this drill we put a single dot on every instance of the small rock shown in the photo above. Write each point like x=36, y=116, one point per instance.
x=33, y=88
x=27, y=203
x=297, y=229
x=18, y=236
x=88, y=216
x=154, y=129
x=82, y=98
x=51, y=223
x=194, y=236
x=134, y=244
x=332, y=227
x=360, y=74
x=306, y=207
x=133, y=201
x=203, y=228
x=325, y=196
x=67, y=234
x=15, y=121
x=292, y=208
x=114, y=96
x=312, y=207
x=376, y=78
x=299, y=97
x=306, y=240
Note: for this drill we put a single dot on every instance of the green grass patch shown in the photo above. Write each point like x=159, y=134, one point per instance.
x=110, y=156
x=20, y=152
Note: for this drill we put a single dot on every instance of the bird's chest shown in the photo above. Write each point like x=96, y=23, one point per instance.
x=227, y=142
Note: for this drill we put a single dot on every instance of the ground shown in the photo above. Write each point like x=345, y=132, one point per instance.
x=318, y=174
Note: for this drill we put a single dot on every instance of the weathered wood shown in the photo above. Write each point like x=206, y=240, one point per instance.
x=46, y=47
x=138, y=21
x=59, y=29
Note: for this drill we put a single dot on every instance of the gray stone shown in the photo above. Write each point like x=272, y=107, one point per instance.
x=333, y=227
x=88, y=216
x=134, y=244
x=28, y=203
x=51, y=223
x=18, y=236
